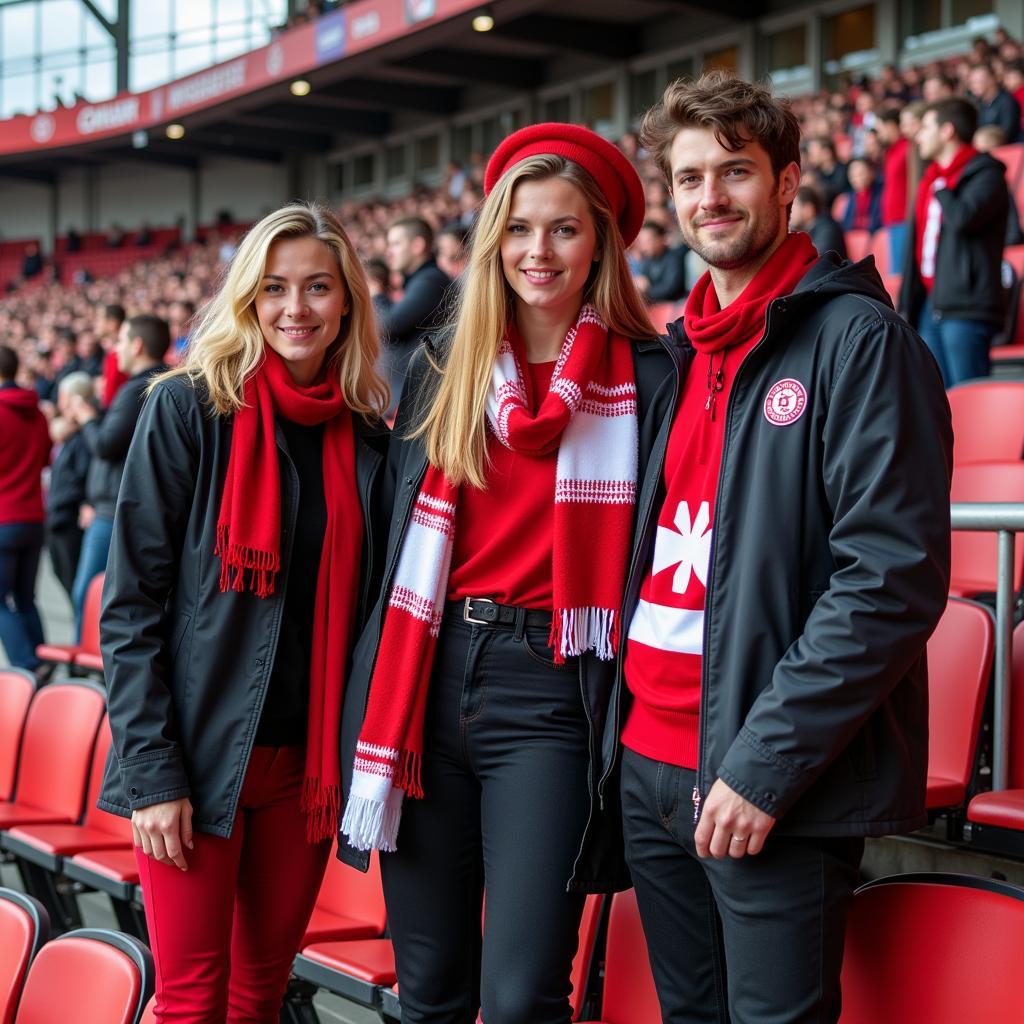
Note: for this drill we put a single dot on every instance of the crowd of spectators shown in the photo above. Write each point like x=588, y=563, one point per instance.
x=862, y=167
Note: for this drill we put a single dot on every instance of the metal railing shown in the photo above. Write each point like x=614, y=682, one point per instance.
x=1006, y=520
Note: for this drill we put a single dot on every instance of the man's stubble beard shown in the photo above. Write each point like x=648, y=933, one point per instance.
x=752, y=242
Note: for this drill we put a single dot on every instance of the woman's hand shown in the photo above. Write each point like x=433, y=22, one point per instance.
x=162, y=831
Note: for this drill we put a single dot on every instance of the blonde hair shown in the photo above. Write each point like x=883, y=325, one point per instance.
x=454, y=423
x=227, y=345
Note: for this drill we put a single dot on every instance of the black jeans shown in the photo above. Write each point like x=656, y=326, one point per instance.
x=505, y=778
x=757, y=940
x=64, y=546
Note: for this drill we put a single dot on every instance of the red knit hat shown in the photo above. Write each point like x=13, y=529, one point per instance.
x=607, y=165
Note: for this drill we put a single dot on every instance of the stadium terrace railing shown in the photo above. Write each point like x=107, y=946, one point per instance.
x=1006, y=520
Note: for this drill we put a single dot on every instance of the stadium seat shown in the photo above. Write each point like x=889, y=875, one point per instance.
x=87, y=653
x=149, y=1012
x=663, y=313
x=858, y=244
x=24, y=927
x=941, y=949
x=116, y=873
x=17, y=688
x=995, y=820
x=350, y=904
x=629, y=993
x=56, y=748
x=1013, y=157
x=48, y=844
x=879, y=248
x=892, y=284
x=88, y=976
x=974, y=553
x=988, y=421
x=960, y=653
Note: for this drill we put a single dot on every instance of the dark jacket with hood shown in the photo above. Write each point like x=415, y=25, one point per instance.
x=968, y=261
x=600, y=866
x=829, y=566
x=187, y=666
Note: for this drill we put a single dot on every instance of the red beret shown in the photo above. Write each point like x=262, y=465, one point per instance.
x=607, y=165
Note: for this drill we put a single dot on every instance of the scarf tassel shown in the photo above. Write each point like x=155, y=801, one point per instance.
x=321, y=805
x=373, y=824
x=577, y=630
x=236, y=559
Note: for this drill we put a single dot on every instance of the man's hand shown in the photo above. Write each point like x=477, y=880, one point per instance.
x=730, y=825
x=86, y=514
x=80, y=409
x=164, y=831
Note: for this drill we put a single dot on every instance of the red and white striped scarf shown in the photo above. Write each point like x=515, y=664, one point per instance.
x=589, y=415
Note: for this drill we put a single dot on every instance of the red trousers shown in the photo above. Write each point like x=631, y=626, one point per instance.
x=225, y=932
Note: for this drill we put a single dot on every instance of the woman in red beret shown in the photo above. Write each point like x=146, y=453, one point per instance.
x=487, y=667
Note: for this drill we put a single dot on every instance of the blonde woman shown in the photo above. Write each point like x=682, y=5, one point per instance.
x=486, y=669
x=240, y=567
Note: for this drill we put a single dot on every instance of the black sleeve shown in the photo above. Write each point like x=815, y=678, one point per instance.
x=886, y=472
x=110, y=437
x=153, y=508
x=980, y=200
x=421, y=298
x=670, y=283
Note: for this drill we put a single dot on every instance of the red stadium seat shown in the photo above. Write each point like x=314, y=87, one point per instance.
x=974, y=554
x=111, y=871
x=960, y=655
x=16, y=691
x=350, y=904
x=1013, y=157
x=892, y=286
x=629, y=993
x=858, y=244
x=48, y=844
x=996, y=820
x=56, y=749
x=89, y=976
x=1014, y=255
x=988, y=421
x=89, y=647
x=663, y=313
x=149, y=1012
x=879, y=248
x=941, y=949
x=24, y=927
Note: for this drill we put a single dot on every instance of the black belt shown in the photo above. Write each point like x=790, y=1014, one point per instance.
x=481, y=611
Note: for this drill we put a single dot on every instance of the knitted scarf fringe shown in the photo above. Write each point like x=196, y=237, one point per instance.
x=373, y=824
x=575, y=630
x=321, y=805
x=236, y=559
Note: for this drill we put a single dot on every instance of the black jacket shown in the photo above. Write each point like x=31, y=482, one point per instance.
x=968, y=281
x=600, y=865
x=666, y=274
x=405, y=321
x=187, y=666
x=1003, y=111
x=829, y=566
x=108, y=440
x=827, y=235
x=67, y=483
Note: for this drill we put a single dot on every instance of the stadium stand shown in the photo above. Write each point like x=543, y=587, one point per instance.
x=988, y=421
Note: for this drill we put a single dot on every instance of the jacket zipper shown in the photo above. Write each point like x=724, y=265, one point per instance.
x=645, y=514
x=698, y=789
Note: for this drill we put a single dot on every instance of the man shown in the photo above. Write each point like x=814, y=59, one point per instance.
x=895, y=188
x=821, y=155
x=937, y=87
x=808, y=215
x=661, y=270
x=109, y=319
x=410, y=252
x=952, y=286
x=141, y=347
x=452, y=249
x=794, y=562
x=24, y=453
x=995, y=104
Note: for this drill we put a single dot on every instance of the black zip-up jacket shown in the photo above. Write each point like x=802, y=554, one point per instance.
x=829, y=566
x=108, y=439
x=968, y=261
x=187, y=667
x=67, y=483
x=600, y=866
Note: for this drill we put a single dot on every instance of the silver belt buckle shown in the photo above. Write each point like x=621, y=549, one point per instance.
x=467, y=617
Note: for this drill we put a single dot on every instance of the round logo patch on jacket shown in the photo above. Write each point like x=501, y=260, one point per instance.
x=785, y=402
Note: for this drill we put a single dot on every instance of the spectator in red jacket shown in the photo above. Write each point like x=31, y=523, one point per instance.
x=23, y=455
x=894, y=183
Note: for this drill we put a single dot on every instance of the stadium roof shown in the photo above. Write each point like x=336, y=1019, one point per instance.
x=375, y=67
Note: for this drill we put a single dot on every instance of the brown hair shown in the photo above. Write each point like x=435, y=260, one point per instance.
x=737, y=111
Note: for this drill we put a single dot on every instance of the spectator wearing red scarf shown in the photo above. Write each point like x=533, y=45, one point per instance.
x=243, y=552
x=864, y=210
x=952, y=288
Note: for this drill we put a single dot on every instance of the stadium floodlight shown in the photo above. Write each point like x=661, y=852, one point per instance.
x=300, y=87
x=175, y=131
x=483, y=20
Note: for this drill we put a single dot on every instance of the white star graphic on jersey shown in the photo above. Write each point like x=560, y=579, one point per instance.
x=690, y=548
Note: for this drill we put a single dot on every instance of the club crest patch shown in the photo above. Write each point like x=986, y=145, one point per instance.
x=785, y=402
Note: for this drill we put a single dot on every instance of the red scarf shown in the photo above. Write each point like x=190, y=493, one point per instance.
x=925, y=193
x=712, y=328
x=589, y=415
x=249, y=546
